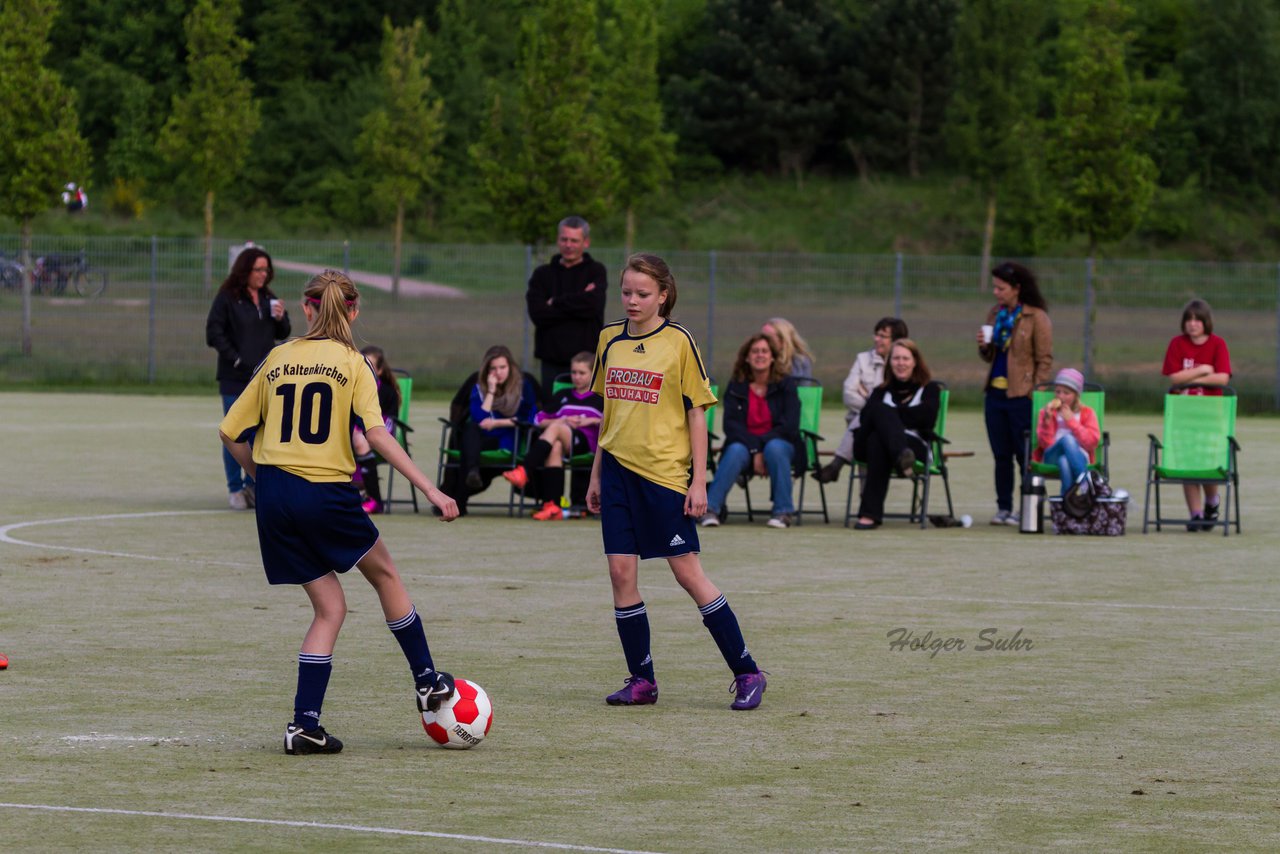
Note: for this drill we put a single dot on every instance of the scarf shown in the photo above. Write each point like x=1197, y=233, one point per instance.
x=1005, y=319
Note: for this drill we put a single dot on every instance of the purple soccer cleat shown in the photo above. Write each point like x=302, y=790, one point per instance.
x=749, y=688
x=637, y=692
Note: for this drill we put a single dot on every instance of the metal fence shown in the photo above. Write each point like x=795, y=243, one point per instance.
x=147, y=326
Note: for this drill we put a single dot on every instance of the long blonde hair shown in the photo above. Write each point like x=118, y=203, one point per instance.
x=506, y=399
x=789, y=342
x=334, y=297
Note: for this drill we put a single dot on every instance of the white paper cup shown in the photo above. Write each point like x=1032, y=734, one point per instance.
x=276, y=302
x=987, y=331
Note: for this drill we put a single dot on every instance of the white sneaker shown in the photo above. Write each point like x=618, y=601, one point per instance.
x=782, y=520
x=238, y=501
x=709, y=520
x=1014, y=520
x=1001, y=517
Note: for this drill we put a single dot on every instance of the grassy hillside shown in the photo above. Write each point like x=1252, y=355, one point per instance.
x=935, y=215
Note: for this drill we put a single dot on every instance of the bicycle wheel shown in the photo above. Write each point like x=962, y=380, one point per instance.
x=89, y=283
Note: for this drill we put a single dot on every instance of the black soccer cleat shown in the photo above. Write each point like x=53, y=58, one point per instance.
x=431, y=696
x=298, y=740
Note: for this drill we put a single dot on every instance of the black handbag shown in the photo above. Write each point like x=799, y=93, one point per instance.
x=1082, y=498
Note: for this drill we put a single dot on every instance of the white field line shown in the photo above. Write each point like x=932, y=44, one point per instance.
x=316, y=825
x=508, y=579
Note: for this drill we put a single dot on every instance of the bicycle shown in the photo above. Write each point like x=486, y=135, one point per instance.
x=54, y=273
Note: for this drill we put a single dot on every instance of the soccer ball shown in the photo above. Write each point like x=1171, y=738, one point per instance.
x=463, y=720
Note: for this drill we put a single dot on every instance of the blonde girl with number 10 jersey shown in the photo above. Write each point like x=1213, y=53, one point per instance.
x=311, y=526
x=655, y=390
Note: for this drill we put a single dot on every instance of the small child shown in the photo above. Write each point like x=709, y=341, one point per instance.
x=1067, y=432
x=389, y=404
x=572, y=429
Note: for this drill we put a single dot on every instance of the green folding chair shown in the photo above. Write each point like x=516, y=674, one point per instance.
x=810, y=393
x=1094, y=397
x=1199, y=446
x=922, y=474
x=401, y=435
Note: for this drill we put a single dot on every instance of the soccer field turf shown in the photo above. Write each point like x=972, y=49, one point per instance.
x=152, y=670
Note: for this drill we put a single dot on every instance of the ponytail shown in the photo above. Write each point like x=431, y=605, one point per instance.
x=334, y=297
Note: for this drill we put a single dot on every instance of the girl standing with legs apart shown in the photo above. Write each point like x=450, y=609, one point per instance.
x=1017, y=341
x=655, y=391
x=310, y=523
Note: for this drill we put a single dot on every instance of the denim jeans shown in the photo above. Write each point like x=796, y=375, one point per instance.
x=236, y=479
x=735, y=459
x=1070, y=459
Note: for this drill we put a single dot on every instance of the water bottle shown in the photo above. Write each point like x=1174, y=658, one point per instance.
x=1033, y=498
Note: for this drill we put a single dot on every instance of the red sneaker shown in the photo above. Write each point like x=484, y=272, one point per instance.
x=549, y=511
x=518, y=477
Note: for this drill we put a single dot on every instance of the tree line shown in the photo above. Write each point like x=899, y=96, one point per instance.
x=1068, y=116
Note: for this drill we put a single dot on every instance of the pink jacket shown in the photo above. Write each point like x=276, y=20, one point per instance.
x=1085, y=428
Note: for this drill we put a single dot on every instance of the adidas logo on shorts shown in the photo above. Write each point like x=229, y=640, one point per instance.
x=639, y=348
x=677, y=540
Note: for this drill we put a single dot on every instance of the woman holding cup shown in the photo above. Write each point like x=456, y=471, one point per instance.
x=245, y=322
x=1017, y=342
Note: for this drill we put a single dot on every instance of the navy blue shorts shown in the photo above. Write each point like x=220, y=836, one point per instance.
x=307, y=530
x=640, y=517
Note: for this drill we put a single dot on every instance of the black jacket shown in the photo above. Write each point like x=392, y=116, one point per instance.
x=571, y=323
x=243, y=334
x=918, y=408
x=784, y=406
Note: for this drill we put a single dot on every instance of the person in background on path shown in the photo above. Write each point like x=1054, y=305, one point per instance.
x=566, y=300
x=793, y=352
x=1017, y=342
x=866, y=374
x=1067, y=434
x=245, y=322
x=649, y=480
x=311, y=527
x=1198, y=356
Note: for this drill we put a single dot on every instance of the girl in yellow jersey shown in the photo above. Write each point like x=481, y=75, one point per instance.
x=655, y=390
x=311, y=526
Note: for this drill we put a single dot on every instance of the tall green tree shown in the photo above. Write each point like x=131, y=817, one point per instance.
x=755, y=90
x=631, y=108
x=546, y=156
x=41, y=146
x=992, y=127
x=1103, y=178
x=895, y=84
x=398, y=139
x=208, y=132
x=1232, y=72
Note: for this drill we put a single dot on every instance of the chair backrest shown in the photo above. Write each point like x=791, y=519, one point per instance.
x=1196, y=431
x=406, y=392
x=560, y=383
x=944, y=401
x=810, y=416
x=1094, y=397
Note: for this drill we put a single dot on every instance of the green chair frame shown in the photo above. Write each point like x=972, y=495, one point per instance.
x=922, y=474
x=1199, y=446
x=576, y=463
x=402, y=431
x=1094, y=397
x=451, y=458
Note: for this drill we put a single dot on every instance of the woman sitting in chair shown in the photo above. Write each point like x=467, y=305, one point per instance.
x=761, y=430
x=500, y=399
x=897, y=424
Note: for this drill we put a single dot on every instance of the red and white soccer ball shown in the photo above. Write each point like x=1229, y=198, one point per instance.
x=463, y=720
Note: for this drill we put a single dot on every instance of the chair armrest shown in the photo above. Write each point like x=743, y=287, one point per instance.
x=1235, y=446
x=809, y=434
x=1155, y=443
x=401, y=425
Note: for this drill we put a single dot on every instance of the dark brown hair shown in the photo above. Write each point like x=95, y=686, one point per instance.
x=1199, y=309
x=742, y=370
x=921, y=374
x=237, y=281
x=1021, y=278
x=656, y=269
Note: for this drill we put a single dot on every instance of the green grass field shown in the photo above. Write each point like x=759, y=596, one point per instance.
x=152, y=672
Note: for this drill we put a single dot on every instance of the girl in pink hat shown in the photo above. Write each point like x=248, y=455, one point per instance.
x=1067, y=433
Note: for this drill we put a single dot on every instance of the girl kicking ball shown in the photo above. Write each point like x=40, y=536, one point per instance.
x=311, y=526
x=655, y=388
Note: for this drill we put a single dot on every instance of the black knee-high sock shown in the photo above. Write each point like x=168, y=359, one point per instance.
x=551, y=484
x=413, y=642
x=313, y=681
x=369, y=472
x=539, y=450
x=633, y=631
x=719, y=619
